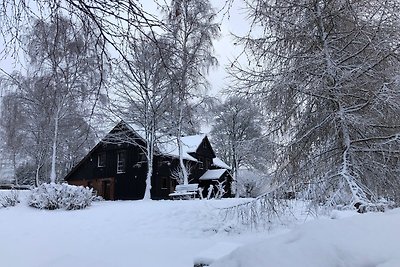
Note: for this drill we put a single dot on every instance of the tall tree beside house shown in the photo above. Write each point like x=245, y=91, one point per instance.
x=25, y=115
x=190, y=32
x=63, y=51
x=238, y=135
x=327, y=73
x=140, y=89
x=12, y=138
x=61, y=83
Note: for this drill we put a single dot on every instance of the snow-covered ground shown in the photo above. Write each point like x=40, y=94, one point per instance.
x=120, y=233
x=367, y=240
x=175, y=233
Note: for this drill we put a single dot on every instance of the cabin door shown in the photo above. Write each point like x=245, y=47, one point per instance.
x=106, y=188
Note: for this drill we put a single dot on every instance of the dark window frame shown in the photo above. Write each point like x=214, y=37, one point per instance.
x=121, y=161
x=164, y=182
x=200, y=162
x=207, y=163
x=205, y=145
x=142, y=157
x=101, y=160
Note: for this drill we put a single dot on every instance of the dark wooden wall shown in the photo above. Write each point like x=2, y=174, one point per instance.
x=127, y=185
x=131, y=184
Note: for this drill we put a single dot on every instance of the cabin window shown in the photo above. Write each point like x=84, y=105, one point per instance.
x=208, y=163
x=142, y=156
x=200, y=162
x=121, y=161
x=164, y=183
x=204, y=144
x=101, y=160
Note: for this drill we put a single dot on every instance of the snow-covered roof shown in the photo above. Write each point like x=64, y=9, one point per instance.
x=219, y=163
x=168, y=145
x=212, y=174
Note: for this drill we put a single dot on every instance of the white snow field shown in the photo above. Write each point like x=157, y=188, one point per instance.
x=177, y=233
x=367, y=240
x=116, y=233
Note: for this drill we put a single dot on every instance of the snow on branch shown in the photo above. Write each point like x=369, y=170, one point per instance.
x=10, y=199
x=177, y=173
x=263, y=211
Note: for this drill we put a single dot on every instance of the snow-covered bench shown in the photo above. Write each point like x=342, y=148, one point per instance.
x=185, y=191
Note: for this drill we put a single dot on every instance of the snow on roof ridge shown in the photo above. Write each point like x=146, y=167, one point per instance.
x=167, y=144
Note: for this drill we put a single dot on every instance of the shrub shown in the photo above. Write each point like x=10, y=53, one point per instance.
x=10, y=199
x=60, y=196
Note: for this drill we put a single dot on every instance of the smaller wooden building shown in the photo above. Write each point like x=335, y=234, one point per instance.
x=117, y=166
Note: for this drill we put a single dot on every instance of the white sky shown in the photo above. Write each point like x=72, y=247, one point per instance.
x=233, y=22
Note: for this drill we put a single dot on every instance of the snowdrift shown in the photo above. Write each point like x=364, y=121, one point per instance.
x=365, y=240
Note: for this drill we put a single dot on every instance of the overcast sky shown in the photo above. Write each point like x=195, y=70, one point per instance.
x=234, y=22
x=224, y=48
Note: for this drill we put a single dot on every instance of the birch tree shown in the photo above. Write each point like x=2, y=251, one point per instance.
x=327, y=73
x=140, y=97
x=63, y=51
x=11, y=120
x=190, y=32
x=60, y=84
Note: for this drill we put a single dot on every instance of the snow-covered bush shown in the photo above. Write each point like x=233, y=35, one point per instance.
x=251, y=183
x=9, y=199
x=60, y=196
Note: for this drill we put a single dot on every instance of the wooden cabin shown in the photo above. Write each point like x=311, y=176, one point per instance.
x=117, y=166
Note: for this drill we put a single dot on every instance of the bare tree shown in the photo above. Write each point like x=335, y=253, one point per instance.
x=238, y=136
x=140, y=89
x=113, y=22
x=59, y=86
x=26, y=109
x=251, y=182
x=190, y=32
x=327, y=74
x=11, y=120
x=63, y=51
x=178, y=174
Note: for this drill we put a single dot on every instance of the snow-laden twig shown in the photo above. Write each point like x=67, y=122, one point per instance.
x=263, y=211
x=9, y=199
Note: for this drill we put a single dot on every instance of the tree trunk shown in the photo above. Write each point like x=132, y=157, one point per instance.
x=14, y=162
x=235, y=166
x=37, y=175
x=54, y=154
x=149, y=153
x=179, y=140
x=358, y=194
